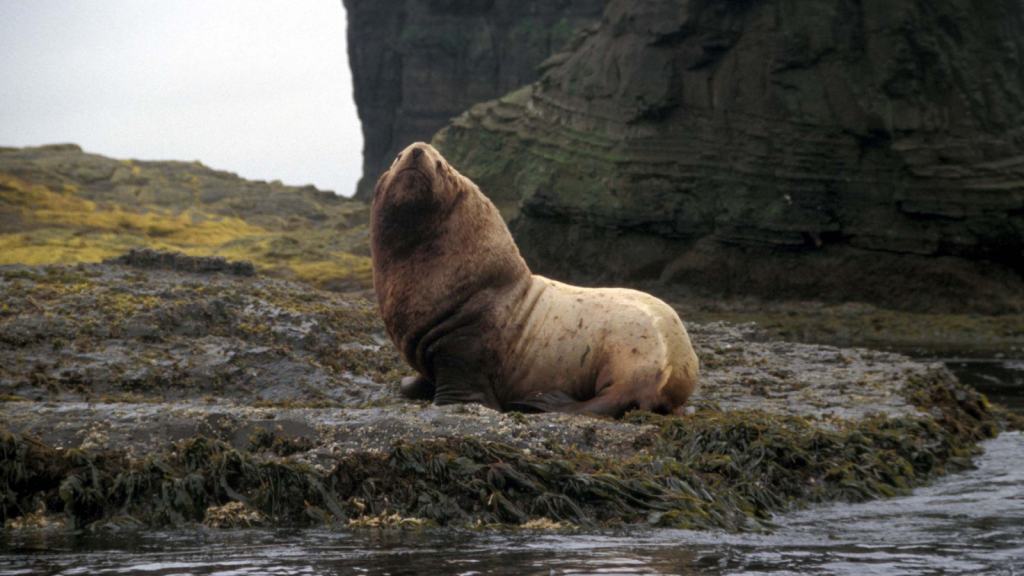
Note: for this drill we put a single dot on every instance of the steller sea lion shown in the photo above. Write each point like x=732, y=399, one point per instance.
x=464, y=311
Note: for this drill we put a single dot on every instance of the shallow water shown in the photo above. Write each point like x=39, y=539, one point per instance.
x=1000, y=378
x=969, y=523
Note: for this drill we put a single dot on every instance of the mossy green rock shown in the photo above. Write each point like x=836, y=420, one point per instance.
x=812, y=150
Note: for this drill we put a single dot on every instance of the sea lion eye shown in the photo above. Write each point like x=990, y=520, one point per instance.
x=440, y=166
x=399, y=157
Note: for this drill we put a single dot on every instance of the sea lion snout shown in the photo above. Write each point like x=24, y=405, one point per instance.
x=417, y=176
x=420, y=157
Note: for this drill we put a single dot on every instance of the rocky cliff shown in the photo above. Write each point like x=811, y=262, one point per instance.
x=868, y=150
x=418, y=63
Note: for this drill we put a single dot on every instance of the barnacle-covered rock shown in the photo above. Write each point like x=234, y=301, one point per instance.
x=252, y=400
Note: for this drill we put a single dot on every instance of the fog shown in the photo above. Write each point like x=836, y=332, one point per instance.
x=257, y=87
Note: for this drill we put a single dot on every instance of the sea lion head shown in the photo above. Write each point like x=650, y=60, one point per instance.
x=415, y=204
x=435, y=241
x=418, y=179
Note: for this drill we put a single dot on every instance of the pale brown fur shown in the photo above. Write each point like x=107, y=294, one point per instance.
x=464, y=311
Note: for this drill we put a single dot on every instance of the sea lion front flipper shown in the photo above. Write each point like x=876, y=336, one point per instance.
x=417, y=388
x=551, y=401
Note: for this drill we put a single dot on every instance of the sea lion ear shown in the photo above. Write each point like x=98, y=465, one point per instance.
x=453, y=177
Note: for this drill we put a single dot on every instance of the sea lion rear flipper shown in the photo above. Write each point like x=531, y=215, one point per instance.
x=552, y=401
x=602, y=405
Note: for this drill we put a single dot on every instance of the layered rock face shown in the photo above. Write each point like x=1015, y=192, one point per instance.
x=833, y=149
x=416, y=64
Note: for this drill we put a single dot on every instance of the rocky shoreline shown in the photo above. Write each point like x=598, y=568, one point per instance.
x=860, y=324
x=171, y=394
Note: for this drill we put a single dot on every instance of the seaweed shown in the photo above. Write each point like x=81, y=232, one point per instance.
x=713, y=470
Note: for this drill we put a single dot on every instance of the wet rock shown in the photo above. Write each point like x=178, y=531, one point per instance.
x=246, y=342
x=168, y=260
x=288, y=404
x=29, y=329
x=186, y=334
x=143, y=327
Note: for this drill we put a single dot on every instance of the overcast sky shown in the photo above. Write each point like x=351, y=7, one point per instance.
x=257, y=87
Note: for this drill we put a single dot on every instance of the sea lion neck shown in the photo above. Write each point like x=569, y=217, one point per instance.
x=433, y=259
x=407, y=226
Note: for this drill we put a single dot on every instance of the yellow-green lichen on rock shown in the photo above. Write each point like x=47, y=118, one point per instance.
x=59, y=205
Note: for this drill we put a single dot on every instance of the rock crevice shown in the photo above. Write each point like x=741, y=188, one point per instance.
x=418, y=63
